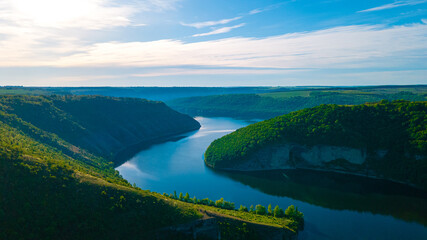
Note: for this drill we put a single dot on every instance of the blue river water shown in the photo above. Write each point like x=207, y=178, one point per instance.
x=335, y=206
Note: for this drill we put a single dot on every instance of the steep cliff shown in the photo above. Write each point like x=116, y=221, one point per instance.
x=385, y=140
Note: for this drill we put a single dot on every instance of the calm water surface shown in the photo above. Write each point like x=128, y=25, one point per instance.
x=335, y=206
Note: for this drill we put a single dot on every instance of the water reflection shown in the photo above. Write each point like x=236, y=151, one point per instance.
x=339, y=191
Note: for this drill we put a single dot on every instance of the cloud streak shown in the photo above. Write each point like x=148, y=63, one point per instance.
x=210, y=23
x=394, y=5
x=219, y=31
x=268, y=8
x=376, y=46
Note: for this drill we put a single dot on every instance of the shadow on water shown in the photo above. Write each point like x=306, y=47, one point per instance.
x=126, y=154
x=339, y=192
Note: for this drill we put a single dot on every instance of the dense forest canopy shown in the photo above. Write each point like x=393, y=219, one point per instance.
x=399, y=127
x=55, y=187
x=101, y=125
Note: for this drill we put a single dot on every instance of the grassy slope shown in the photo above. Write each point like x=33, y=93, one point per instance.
x=50, y=189
x=268, y=105
x=399, y=126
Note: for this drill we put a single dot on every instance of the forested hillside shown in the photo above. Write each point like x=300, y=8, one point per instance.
x=55, y=185
x=399, y=128
x=102, y=125
x=57, y=178
x=268, y=105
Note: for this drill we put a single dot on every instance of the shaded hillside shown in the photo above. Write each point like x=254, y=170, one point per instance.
x=50, y=190
x=52, y=186
x=390, y=138
x=102, y=125
x=268, y=105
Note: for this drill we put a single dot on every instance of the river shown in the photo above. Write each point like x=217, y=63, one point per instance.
x=335, y=206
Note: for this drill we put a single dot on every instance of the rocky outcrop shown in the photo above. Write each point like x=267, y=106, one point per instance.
x=320, y=157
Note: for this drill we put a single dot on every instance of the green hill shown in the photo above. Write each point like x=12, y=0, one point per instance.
x=268, y=105
x=57, y=178
x=104, y=126
x=386, y=139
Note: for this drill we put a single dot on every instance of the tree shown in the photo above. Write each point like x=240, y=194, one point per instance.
x=260, y=210
x=270, y=212
x=243, y=208
x=251, y=208
x=187, y=197
x=181, y=196
x=174, y=195
x=219, y=203
x=278, y=212
x=293, y=213
x=290, y=211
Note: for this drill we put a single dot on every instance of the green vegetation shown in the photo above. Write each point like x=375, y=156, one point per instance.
x=154, y=93
x=47, y=194
x=400, y=127
x=58, y=179
x=53, y=188
x=268, y=105
x=291, y=218
x=103, y=126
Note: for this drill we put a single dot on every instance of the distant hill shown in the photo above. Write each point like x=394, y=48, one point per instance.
x=151, y=93
x=386, y=140
x=268, y=105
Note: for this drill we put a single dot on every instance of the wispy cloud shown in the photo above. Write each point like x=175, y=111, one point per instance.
x=210, y=23
x=395, y=5
x=376, y=46
x=214, y=71
x=139, y=25
x=199, y=25
x=219, y=30
x=268, y=8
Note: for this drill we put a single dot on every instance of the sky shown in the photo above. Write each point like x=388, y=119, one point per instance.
x=212, y=42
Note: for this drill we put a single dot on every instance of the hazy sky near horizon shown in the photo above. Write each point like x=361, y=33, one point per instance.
x=212, y=42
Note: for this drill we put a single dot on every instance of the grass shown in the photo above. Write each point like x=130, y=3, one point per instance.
x=249, y=217
x=252, y=217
